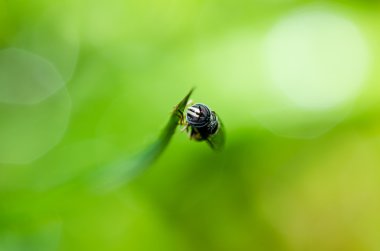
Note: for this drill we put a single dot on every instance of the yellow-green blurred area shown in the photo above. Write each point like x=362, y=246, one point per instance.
x=296, y=84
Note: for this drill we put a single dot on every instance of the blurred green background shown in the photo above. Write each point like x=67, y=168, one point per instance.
x=83, y=83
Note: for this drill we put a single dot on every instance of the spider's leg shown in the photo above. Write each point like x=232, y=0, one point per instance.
x=185, y=128
x=180, y=115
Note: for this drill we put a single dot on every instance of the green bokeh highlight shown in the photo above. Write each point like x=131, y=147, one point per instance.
x=125, y=65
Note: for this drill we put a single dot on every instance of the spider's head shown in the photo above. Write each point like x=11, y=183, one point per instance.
x=198, y=115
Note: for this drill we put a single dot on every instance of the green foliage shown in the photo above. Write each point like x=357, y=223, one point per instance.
x=86, y=86
x=126, y=168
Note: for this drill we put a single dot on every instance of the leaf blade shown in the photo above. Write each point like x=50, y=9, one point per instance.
x=125, y=169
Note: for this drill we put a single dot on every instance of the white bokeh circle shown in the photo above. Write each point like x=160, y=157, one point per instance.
x=315, y=61
x=318, y=59
x=34, y=106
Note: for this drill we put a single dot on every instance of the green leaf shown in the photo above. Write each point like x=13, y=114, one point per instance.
x=126, y=168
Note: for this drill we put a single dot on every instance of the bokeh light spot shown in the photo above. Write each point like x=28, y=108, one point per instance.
x=315, y=61
x=29, y=131
x=318, y=59
x=26, y=78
